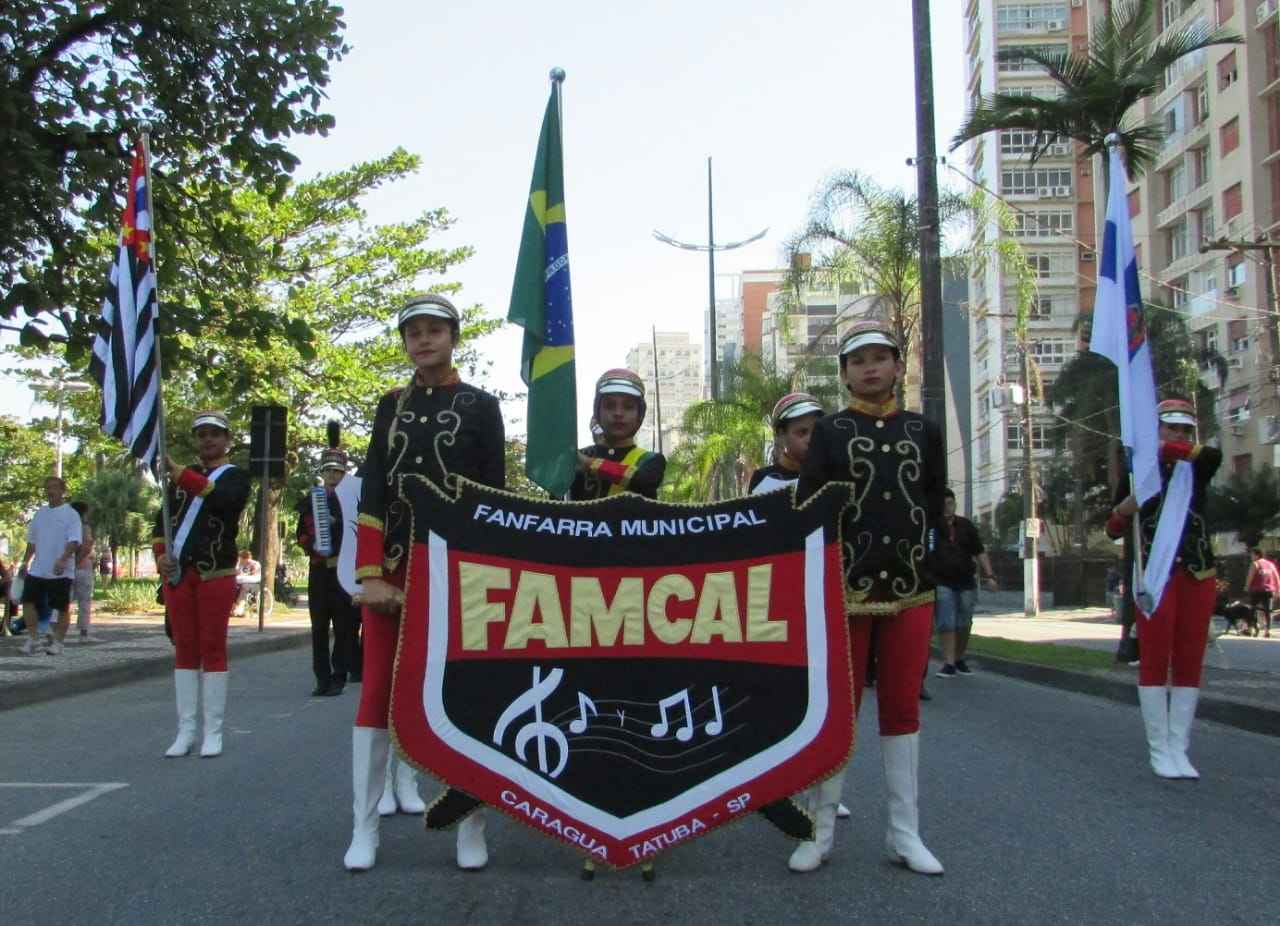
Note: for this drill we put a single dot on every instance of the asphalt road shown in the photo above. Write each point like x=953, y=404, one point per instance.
x=1039, y=803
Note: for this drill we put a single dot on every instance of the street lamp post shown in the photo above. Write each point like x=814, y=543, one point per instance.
x=710, y=248
x=58, y=387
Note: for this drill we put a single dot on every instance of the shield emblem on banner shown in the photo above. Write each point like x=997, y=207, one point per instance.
x=624, y=675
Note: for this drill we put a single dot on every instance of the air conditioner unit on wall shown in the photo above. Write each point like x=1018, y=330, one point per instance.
x=1055, y=25
x=1062, y=191
x=1236, y=363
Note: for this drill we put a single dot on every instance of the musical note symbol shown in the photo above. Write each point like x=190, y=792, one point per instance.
x=583, y=704
x=532, y=700
x=685, y=733
x=714, y=727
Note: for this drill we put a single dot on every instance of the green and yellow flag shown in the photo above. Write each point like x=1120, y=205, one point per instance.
x=541, y=304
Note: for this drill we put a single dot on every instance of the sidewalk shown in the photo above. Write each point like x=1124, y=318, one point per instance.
x=1241, y=685
x=129, y=647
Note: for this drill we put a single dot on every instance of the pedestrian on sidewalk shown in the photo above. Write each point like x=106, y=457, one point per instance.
x=1262, y=582
x=895, y=461
x=82, y=586
x=53, y=539
x=957, y=552
x=206, y=500
x=1173, y=637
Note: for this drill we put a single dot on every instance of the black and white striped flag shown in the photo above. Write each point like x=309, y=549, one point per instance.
x=124, y=362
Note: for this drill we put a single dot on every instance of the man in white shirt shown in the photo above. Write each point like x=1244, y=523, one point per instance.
x=53, y=539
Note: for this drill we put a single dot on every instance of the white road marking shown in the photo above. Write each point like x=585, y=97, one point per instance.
x=89, y=790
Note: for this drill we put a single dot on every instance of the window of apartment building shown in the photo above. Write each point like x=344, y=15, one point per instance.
x=1242, y=464
x=1135, y=202
x=1226, y=9
x=1039, y=436
x=1175, y=183
x=1044, y=223
x=984, y=448
x=1171, y=120
x=1052, y=351
x=1014, y=64
x=1229, y=137
x=1045, y=181
x=1232, y=202
x=1175, y=238
x=1017, y=141
x=1237, y=336
x=1198, y=97
x=1227, y=73
x=1045, y=16
x=1203, y=224
x=1041, y=309
x=1051, y=263
x=1178, y=292
x=1051, y=92
x=1238, y=405
x=1201, y=166
x=984, y=404
x=1208, y=342
x=1235, y=270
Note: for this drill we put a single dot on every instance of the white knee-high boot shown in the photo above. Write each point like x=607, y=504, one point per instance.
x=1154, y=700
x=387, y=803
x=901, y=775
x=472, y=851
x=1182, y=712
x=369, y=747
x=406, y=788
x=186, y=687
x=824, y=798
x=215, y=707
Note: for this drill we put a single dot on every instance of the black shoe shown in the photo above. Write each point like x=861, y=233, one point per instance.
x=963, y=667
x=322, y=690
x=336, y=685
x=353, y=678
x=947, y=671
x=924, y=695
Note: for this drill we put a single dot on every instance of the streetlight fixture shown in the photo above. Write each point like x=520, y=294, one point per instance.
x=710, y=248
x=59, y=388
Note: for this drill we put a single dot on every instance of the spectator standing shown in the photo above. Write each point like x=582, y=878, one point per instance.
x=1262, y=582
x=957, y=548
x=82, y=586
x=53, y=539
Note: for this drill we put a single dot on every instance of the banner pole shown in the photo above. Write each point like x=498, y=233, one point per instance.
x=162, y=447
x=1140, y=596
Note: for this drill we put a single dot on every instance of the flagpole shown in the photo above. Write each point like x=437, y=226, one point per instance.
x=557, y=76
x=162, y=447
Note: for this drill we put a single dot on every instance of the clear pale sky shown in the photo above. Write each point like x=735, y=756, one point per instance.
x=778, y=94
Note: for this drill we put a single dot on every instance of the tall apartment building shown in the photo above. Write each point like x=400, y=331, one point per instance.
x=1217, y=179
x=729, y=316
x=1054, y=219
x=680, y=371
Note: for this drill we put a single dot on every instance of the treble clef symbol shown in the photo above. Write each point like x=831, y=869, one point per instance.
x=533, y=698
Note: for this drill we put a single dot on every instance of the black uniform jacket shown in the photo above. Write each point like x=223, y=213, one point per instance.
x=619, y=469
x=210, y=546
x=894, y=460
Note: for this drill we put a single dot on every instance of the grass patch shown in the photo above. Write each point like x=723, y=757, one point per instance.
x=1057, y=655
x=127, y=596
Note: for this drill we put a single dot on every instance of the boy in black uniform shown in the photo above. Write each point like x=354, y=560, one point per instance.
x=616, y=464
x=793, y=419
x=894, y=460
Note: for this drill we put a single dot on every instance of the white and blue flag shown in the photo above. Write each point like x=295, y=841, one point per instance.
x=1120, y=335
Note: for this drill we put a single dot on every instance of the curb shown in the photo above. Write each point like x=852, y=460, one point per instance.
x=1254, y=718
x=38, y=691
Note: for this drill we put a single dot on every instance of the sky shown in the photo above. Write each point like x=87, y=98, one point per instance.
x=779, y=95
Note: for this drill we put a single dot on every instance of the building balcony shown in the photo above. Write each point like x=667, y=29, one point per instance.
x=1172, y=212
x=1180, y=266
x=1263, y=11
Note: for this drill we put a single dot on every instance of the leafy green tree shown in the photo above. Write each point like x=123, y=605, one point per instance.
x=118, y=499
x=1248, y=504
x=28, y=461
x=226, y=84
x=1098, y=86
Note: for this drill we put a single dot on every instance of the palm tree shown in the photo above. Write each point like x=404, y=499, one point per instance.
x=1098, y=87
x=118, y=499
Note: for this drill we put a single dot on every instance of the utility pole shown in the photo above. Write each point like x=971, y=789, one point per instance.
x=1267, y=247
x=1030, y=524
x=58, y=387
x=933, y=381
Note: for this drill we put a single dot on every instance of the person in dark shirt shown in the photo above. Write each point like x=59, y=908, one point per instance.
x=1173, y=637
x=614, y=463
x=793, y=419
x=957, y=547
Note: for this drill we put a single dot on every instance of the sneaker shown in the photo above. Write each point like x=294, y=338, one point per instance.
x=963, y=667
x=29, y=648
x=53, y=648
x=89, y=638
x=947, y=671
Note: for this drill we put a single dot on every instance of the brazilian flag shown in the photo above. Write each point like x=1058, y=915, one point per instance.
x=540, y=303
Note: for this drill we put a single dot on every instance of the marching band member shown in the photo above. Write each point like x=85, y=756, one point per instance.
x=1172, y=639
x=793, y=418
x=443, y=429
x=200, y=588
x=327, y=601
x=613, y=464
x=894, y=460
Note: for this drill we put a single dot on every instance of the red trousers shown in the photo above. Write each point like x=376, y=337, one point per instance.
x=199, y=610
x=381, y=632
x=902, y=652
x=1176, y=634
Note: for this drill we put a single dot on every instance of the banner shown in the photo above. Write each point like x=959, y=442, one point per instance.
x=624, y=675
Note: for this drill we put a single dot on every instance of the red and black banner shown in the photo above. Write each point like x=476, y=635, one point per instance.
x=624, y=675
